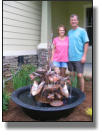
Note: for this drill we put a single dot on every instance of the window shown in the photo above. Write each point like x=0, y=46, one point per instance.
x=89, y=25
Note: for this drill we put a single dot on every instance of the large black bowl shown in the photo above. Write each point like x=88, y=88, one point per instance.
x=43, y=111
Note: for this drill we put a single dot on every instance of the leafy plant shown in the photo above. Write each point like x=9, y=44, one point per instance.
x=22, y=77
x=74, y=80
x=6, y=98
x=88, y=79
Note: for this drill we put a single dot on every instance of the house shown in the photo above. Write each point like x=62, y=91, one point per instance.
x=29, y=26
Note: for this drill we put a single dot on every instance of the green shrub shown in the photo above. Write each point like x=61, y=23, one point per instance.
x=22, y=77
x=74, y=80
x=88, y=79
x=6, y=98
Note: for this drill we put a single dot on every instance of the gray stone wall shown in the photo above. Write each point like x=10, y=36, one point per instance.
x=42, y=57
x=31, y=59
x=11, y=63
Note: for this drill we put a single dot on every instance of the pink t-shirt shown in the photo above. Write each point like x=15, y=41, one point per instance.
x=61, y=50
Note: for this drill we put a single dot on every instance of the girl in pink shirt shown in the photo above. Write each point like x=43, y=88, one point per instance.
x=60, y=51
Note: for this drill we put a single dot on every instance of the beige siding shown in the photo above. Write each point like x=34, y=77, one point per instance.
x=21, y=25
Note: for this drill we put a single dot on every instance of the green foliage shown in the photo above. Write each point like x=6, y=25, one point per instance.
x=6, y=98
x=22, y=77
x=74, y=80
x=88, y=79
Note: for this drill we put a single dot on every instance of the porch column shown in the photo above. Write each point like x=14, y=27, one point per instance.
x=45, y=33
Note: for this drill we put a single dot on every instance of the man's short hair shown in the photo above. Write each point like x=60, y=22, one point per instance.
x=74, y=15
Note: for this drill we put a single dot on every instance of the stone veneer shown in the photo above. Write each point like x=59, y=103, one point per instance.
x=11, y=62
x=42, y=57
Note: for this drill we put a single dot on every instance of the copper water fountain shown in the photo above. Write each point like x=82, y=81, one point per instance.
x=51, y=88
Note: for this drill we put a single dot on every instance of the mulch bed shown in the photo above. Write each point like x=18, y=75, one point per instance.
x=15, y=113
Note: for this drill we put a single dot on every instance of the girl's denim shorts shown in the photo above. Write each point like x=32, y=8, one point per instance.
x=60, y=64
